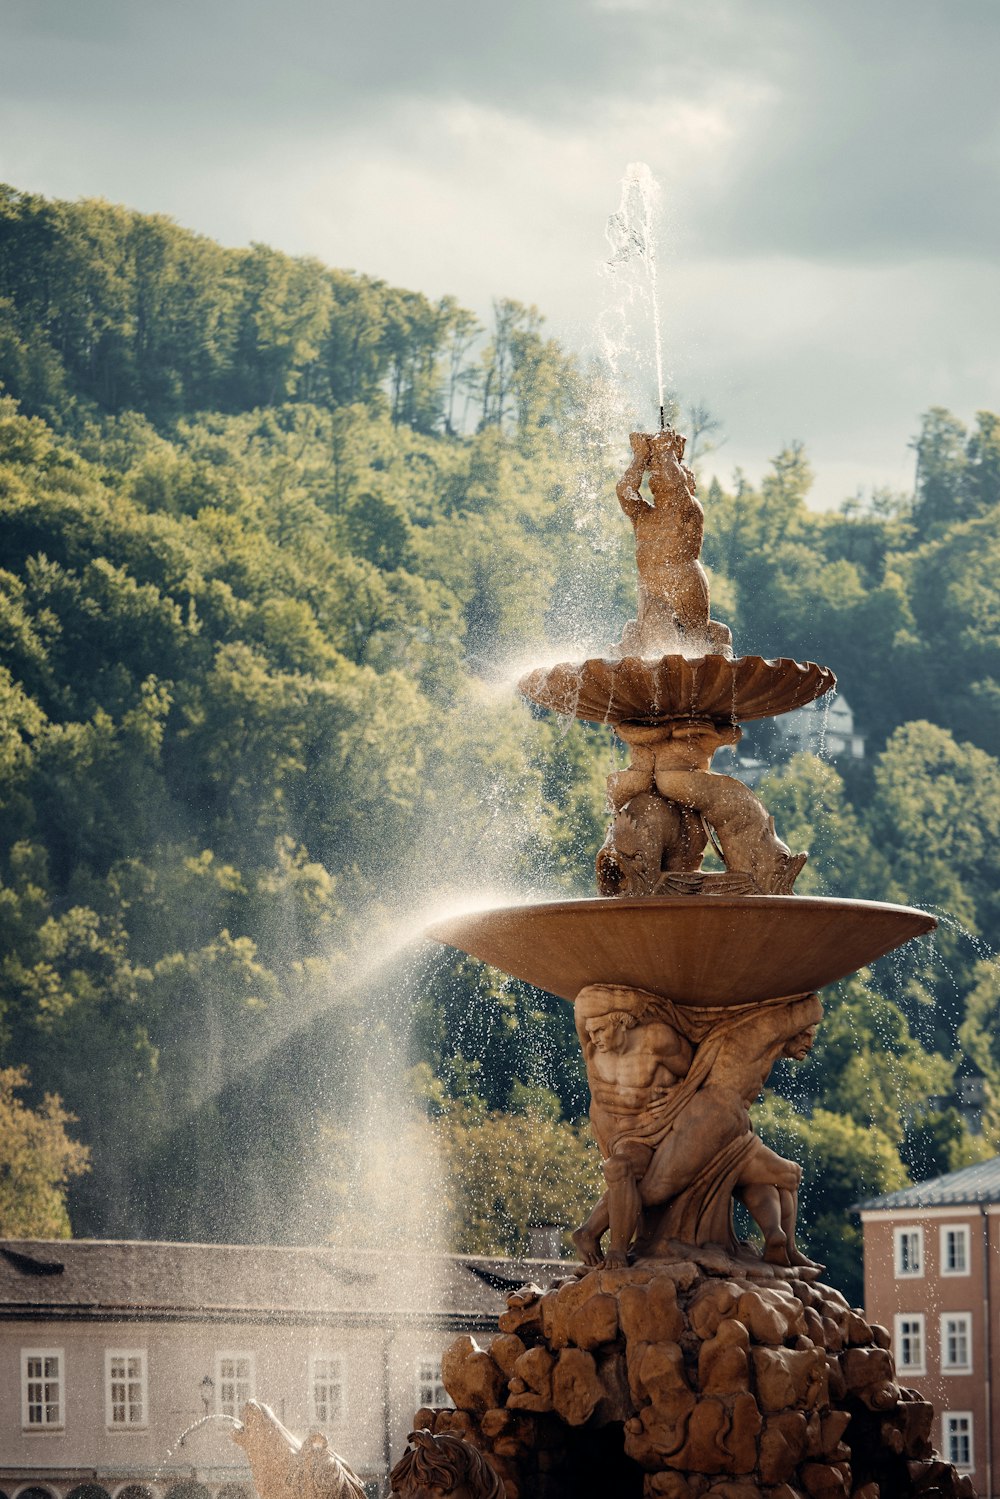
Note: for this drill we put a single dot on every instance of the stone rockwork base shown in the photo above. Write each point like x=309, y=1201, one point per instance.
x=706, y=1375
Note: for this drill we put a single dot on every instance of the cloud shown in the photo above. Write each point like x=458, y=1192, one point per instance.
x=829, y=173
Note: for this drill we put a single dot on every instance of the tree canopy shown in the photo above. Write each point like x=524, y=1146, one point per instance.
x=273, y=539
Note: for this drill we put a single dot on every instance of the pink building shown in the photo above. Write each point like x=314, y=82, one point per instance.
x=110, y=1351
x=932, y=1277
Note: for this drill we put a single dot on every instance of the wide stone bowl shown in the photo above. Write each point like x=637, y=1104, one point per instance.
x=693, y=949
x=634, y=690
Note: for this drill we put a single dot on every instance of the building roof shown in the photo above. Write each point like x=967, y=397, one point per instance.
x=973, y=1184
x=143, y=1280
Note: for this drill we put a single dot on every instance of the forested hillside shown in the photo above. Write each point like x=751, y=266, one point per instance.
x=268, y=533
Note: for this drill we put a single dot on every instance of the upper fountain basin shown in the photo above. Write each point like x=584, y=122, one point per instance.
x=636, y=690
x=698, y=950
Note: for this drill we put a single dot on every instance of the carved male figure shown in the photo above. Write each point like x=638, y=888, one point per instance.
x=631, y=1068
x=673, y=585
x=676, y=1132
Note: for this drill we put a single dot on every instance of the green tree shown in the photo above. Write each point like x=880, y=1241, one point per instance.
x=38, y=1159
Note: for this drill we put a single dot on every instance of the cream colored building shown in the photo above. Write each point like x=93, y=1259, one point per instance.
x=113, y=1354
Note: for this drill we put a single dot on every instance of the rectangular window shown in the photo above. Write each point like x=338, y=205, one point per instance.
x=326, y=1386
x=956, y=1342
x=234, y=1382
x=125, y=1388
x=954, y=1250
x=957, y=1427
x=429, y=1389
x=909, y=1251
x=42, y=1393
x=910, y=1342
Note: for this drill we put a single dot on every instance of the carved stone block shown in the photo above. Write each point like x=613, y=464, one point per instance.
x=789, y=1379
x=576, y=1388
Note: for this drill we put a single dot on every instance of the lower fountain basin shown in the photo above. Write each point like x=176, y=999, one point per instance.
x=697, y=950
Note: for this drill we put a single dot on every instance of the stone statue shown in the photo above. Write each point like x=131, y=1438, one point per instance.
x=670, y=1088
x=437, y=1466
x=673, y=586
x=668, y=801
x=284, y=1467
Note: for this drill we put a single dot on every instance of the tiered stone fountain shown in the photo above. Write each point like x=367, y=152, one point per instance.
x=678, y=1361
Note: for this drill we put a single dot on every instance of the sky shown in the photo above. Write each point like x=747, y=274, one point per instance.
x=829, y=175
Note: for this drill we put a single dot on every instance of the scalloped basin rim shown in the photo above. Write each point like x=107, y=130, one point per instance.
x=639, y=689
x=693, y=949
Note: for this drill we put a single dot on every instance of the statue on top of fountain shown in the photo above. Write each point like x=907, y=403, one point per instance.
x=673, y=586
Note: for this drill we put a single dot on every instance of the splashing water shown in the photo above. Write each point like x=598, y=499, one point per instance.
x=631, y=233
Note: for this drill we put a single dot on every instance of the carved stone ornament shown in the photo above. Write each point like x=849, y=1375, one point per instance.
x=438, y=1467
x=287, y=1467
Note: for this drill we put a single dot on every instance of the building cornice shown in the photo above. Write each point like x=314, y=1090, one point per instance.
x=914, y=1214
x=256, y=1316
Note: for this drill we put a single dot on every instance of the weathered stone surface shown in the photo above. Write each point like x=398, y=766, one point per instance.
x=576, y=1388
x=535, y=1368
x=788, y=1378
x=651, y=1313
x=595, y=1322
x=530, y=1400
x=713, y=1301
x=833, y=1426
x=825, y=1481
x=782, y=1445
x=705, y=1450
x=881, y=1336
x=506, y=1350
x=741, y=1443
x=907, y=1430
x=857, y=1332
x=559, y=1307
x=765, y=1321
x=723, y=1362
x=814, y=1326
x=470, y=1376
x=524, y=1312
x=723, y=1385
x=672, y=1486
x=869, y=1376
x=656, y=1372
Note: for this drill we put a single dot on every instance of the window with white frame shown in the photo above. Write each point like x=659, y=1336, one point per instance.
x=954, y=1249
x=42, y=1391
x=234, y=1382
x=429, y=1389
x=326, y=1388
x=125, y=1388
x=910, y=1342
x=956, y=1342
x=957, y=1428
x=909, y=1251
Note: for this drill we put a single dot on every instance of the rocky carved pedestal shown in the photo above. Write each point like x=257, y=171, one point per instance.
x=697, y=1374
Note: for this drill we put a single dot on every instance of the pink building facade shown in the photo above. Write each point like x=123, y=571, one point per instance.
x=932, y=1277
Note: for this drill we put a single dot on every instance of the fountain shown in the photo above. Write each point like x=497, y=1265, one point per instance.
x=679, y=1360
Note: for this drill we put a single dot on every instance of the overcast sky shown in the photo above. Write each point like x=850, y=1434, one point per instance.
x=830, y=174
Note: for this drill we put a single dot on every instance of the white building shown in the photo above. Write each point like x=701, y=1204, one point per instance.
x=823, y=728
x=110, y=1351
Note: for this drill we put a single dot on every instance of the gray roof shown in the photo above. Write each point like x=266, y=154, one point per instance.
x=973, y=1184
x=145, y=1280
